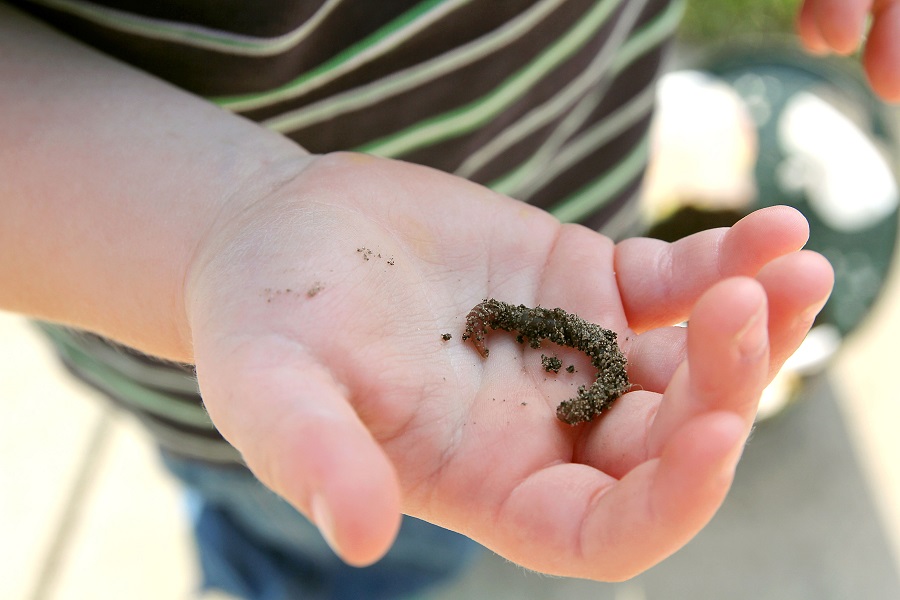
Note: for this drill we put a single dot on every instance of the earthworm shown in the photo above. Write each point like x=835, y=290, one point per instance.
x=564, y=329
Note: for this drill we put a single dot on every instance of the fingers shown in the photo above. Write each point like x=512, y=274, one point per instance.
x=574, y=520
x=650, y=475
x=660, y=282
x=726, y=370
x=675, y=463
x=697, y=434
x=836, y=25
x=839, y=25
x=300, y=437
x=653, y=357
x=882, y=54
x=662, y=504
x=797, y=287
x=617, y=443
x=808, y=29
x=740, y=333
x=728, y=360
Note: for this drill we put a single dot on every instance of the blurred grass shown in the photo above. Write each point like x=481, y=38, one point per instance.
x=714, y=20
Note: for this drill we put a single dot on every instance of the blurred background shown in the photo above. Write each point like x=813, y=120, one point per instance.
x=746, y=120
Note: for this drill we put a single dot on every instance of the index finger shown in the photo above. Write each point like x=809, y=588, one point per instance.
x=659, y=282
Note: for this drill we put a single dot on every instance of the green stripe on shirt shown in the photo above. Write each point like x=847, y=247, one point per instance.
x=572, y=100
x=415, y=76
x=112, y=381
x=187, y=34
x=469, y=117
x=599, y=191
x=369, y=48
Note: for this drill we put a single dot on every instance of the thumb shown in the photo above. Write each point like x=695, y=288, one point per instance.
x=300, y=436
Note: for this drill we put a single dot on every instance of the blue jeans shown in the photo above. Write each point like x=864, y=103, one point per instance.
x=254, y=545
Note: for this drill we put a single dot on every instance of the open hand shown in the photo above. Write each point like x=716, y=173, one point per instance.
x=317, y=318
x=840, y=25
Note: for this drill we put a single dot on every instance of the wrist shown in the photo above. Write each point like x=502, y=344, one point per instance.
x=232, y=234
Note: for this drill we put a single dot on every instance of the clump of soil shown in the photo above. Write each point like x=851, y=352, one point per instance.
x=564, y=329
x=551, y=364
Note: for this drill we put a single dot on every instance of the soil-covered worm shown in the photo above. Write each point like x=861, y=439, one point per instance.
x=565, y=329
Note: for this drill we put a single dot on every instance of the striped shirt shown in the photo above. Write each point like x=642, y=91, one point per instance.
x=547, y=101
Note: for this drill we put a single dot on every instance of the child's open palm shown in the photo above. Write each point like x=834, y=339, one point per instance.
x=318, y=321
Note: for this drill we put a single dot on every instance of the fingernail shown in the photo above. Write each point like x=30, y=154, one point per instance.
x=753, y=340
x=321, y=516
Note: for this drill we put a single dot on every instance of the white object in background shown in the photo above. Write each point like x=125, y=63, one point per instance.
x=846, y=180
x=703, y=147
